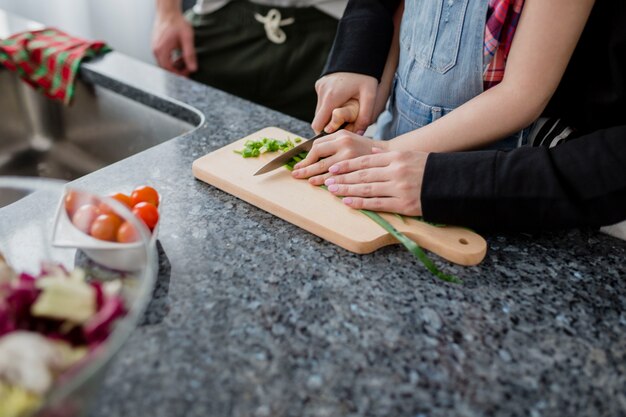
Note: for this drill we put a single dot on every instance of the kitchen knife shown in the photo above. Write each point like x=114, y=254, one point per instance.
x=283, y=158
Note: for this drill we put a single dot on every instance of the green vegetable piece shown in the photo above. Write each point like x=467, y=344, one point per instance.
x=253, y=148
x=297, y=140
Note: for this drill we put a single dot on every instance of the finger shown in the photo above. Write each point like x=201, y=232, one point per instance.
x=374, y=189
x=319, y=100
x=347, y=113
x=180, y=67
x=320, y=179
x=320, y=149
x=360, y=163
x=339, y=116
x=163, y=57
x=360, y=177
x=322, y=116
x=366, y=111
x=386, y=204
x=318, y=168
x=189, y=51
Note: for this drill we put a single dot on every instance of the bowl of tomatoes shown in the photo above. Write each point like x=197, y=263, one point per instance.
x=109, y=229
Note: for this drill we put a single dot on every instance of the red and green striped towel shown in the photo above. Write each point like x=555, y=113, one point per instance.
x=48, y=59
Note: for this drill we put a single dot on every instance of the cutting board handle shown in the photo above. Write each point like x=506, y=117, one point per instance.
x=457, y=244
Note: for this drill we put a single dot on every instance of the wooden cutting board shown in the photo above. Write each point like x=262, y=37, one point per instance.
x=321, y=213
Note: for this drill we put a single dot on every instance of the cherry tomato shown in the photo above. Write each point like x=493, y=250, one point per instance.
x=75, y=199
x=144, y=194
x=127, y=233
x=121, y=197
x=105, y=227
x=85, y=216
x=148, y=213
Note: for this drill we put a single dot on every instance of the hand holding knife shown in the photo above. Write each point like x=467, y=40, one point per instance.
x=287, y=156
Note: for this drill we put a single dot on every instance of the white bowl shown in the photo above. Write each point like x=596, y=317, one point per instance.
x=113, y=255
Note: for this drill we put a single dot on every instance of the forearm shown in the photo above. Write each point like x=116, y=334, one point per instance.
x=168, y=7
x=539, y=55
x=494, y=114
x=580, y=183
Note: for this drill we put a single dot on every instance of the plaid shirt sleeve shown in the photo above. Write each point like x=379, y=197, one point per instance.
x=502, y=19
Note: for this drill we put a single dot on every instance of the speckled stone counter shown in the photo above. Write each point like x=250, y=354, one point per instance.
x=254, y=317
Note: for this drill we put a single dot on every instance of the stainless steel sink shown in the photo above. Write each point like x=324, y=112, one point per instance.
x=41, y=137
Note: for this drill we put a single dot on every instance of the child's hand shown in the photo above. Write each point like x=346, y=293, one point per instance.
x=329, y=150
x=347, y=113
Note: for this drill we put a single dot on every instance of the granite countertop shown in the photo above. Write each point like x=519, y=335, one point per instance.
x=253, y=316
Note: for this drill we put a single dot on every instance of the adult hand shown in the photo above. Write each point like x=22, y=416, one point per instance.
x=172, y=34
x=335, y=90
x=383, y=181
x=329, y=150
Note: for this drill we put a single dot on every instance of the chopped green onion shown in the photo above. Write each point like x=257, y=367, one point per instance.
x=254, y=148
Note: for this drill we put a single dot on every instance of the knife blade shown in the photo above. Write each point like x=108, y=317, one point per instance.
x=283, y=158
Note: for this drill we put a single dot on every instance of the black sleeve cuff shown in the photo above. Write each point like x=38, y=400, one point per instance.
x=363, y=39
x=458, y=188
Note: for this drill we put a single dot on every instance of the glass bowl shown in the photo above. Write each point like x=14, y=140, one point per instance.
x=34, y=236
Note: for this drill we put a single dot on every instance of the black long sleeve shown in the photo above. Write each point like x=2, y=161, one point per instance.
x=579, y=183
x=363, y=38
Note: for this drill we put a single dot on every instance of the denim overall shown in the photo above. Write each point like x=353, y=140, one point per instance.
x=440, y=66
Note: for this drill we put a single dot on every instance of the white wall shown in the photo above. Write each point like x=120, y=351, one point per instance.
x=124, y=24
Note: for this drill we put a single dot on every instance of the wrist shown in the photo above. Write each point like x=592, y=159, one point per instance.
x=390, y=145
x=168, y=9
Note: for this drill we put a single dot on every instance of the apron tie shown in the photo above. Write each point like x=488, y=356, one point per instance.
x=272, y=24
